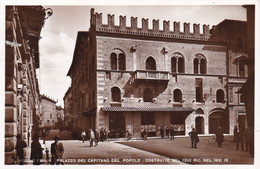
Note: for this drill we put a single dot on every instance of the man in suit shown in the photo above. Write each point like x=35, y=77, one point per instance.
x=57, y=151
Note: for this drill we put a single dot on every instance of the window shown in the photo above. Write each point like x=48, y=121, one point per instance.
x=173, y=62
x=241, y=69
x=177, y=63
x=116, y=94
x=199, y=93
x=200, y=64
x=117, y=60
x=148, y=95
x=177, y=95
x=196, y=65
x=150, y=64
x=220, y=96
x=230, y=89
x=113, y=60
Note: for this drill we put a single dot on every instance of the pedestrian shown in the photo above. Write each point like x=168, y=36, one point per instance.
x=91, y=137
x=102, y=134
x=240, y=140
x=145, y=134
x=57, y=151
x=166, y=132
x=172, y=133
x=96, y=137
x=128, y=134
x=108, y=134
x=20, y=145
x=161, y=132
x=36, y=150
x=83, y=135
x=219, y=136
x=194, y=138
x=235, y=133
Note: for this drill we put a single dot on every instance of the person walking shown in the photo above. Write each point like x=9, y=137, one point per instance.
x=96, y=137
x=128, y=134
x=43, y=135
x=57, y=151
x=36, y=151
x=167, y=132
x=219, y=136
x=91, y=137
x=83, y=135
x=20, y=145
x=235, y=133
x=172, y=133
x=102, y=134
x=161, y=132
x=194, y=138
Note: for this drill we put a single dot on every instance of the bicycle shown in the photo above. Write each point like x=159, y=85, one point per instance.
x=213, y=140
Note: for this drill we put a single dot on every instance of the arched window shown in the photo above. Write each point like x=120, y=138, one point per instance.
x=200, y=64
x=220, y=96
x=148, y=95
x=173, y=62
x=196, y=65
x=150, y=64
x=113, y=61
x=240, y=43
x=203, y=66
x=177, y=95
x=116, y=94
x=181, y=65
x=121, y=61
x=117, y=60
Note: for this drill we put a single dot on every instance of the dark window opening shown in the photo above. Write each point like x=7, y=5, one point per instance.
x=181, y=65
x=113, y=60
x=196, y=65
x=220, y=96
x=241, y=70
x=202, y=66
x=199, y=93
x=177, y=95
x=173, y=62
x=148, y=95
x=116, y=94
x=122, y=65
x=150, y=64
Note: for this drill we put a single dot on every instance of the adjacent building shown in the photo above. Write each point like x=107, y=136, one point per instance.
x=144, y=79
x=48, y=112
x=22, y=99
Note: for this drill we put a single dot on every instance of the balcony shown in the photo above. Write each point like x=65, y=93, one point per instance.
x=152, y=75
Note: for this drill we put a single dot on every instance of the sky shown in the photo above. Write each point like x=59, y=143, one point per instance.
x=60, y=31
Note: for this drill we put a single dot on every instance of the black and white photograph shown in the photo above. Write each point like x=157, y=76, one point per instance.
x=127, y=84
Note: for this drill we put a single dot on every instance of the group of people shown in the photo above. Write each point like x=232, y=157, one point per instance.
x=57, y=150
x=167, y=132
x=243, y=139
x=95, y=136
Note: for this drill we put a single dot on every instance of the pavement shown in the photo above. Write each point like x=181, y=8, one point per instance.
x=152, y=151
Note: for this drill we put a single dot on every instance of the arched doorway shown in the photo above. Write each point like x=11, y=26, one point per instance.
x=199, y=124
x=218, y=119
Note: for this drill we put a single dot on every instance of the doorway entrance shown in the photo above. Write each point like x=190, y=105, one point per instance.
x=117, y=125
x=218, y=119
x=199, y=122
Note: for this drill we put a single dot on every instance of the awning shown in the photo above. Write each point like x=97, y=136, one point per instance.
x=147, y=109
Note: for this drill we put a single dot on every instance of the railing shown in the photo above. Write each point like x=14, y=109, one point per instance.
x=151, y=75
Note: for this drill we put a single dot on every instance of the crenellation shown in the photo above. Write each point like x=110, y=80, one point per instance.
x=176, y=26
x=196, y=29
x=111, y=20
x=206, y=30
x=186, y=28
x=166, y=26
x=155, y=31
x=134, y=22
x=156, y=25
x=122, y=21
x=145, y=24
